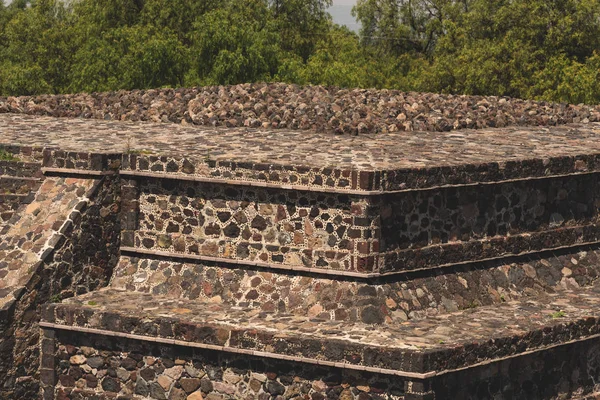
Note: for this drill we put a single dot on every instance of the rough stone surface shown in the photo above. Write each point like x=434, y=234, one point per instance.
x=396, y=299
x=354, y=262
x=446, y=341
x=60, y=244
x=278, y=105
x=286, y=379
x=385, y=162
x=539, y=375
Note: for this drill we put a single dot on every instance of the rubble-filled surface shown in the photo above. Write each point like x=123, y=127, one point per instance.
x=278, y=105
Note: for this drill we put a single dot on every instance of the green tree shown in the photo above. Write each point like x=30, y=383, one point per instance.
x=36, y=51
x=500, y=46
x=135, y=57
x=300, y=24
x=235, y=43
x=568, y=80
x=177, y=16
x=401, y=26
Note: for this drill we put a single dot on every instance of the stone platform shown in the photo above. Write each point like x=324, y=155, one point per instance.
x=257, y=264
x=415, y=348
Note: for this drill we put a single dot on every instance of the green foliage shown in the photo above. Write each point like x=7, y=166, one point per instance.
x=57, y=298
x=7, y=156
x=570, y=81
x=338, y=59
x=300, y=24
x=520, y=48
x=235, y=43
x=538, y=49
x=129, y=58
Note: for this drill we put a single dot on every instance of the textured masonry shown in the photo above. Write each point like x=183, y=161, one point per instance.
x=249, y=266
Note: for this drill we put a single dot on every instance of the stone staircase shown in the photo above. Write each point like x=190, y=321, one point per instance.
x=54, y=242
x=292, y=265
x=19, y=180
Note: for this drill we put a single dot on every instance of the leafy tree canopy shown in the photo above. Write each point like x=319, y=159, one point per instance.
x=523, y=48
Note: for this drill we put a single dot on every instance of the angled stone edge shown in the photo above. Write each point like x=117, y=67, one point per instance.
x=175, y=342
x=258, y=264
x=69, y=171
x=113, y=163
x=55, y=240
x=340, y=273
x=276, y=356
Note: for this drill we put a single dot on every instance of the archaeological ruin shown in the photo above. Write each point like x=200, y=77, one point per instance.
x=167, y=255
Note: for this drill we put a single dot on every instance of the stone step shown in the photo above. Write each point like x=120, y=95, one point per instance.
x=539, y=335
x=21, y=169
x=10, y=185
x=383, y=300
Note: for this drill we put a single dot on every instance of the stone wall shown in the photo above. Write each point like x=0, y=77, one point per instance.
x=19, y=178
x=365, y=234
x=377, y=301
x=254, y=224
x=422, y=218
x=421, y=229
x=371, y=265
x=82, y=260
x=564, y=372
x=99, y=367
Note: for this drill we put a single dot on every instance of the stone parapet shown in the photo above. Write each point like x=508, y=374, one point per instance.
x=370, y=163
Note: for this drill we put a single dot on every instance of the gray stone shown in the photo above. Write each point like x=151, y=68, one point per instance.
x=372, y=315
x=275, y=388
x=95, y=362
x=206, y=385
x=111, y=385
x=156, y=391
x=141, y=387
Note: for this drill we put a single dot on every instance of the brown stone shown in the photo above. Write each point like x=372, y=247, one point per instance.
x=195, y=396
x=165, y=382
x=189, y=384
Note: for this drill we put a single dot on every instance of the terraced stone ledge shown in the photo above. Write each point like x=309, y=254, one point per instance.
x=371, y=205
x=418, y=349
x=369, y=163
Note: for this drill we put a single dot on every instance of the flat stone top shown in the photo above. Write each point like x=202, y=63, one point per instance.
x=436, y=343
x=364, y=152
x=437, y=158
